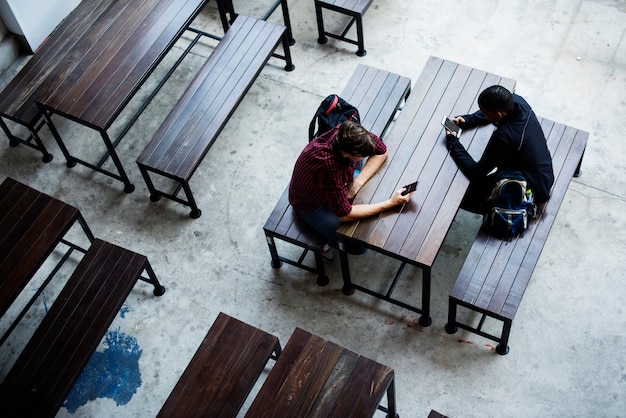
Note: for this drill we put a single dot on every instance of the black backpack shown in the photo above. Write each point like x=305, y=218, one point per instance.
x=511, y=204
x=332, y=112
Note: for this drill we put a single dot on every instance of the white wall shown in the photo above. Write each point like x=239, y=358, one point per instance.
x=34, y=20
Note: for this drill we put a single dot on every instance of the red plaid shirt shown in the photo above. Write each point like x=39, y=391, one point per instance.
x=322, y=175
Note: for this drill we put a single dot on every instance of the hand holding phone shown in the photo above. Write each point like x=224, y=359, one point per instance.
x=451, y=126
x=409, y=188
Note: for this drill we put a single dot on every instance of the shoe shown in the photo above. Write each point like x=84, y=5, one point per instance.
x=327, y=253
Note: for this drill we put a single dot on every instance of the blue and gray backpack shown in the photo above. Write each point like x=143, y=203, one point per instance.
x=512, y=206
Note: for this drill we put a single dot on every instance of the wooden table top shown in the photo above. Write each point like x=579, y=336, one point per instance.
x=31, y=224
x=416, y=144
x=314, y=377
x=102, y=53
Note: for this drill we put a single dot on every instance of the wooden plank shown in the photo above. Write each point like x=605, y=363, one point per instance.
x=101, y=84
x=222, y=372
x=317, y=378
x=17, y=101
x=207, y=104
x=496, y=273
x=31, y=226
x=45, y=371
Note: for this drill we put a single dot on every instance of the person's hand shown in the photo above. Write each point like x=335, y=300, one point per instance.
x=398, y=199
x=354, y=189
x=458, y=120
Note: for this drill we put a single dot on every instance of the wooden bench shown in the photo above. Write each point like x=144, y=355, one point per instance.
x=378, y=95
x=188, y=132
x=355, y=9
x=223, y=371
x=32, y=225
x=496, y=273
x=44, y=373
x=314, y=377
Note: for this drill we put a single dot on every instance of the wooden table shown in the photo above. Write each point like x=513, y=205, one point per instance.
x=314, y=377
x=414, y=233
x=104, y=51
x=32, y=224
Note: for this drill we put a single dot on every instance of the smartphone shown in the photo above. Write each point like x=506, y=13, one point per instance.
x=409, y=188
x=451, y=126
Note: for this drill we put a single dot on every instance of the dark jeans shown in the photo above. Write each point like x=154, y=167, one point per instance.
x=477, y=194
x=326, y=223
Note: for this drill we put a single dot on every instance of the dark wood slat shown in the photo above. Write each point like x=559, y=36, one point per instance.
x=114, y=68
x=416, y=230
x=496, y=273
x=208, y=104
x=31, y=226
x=317, y=378
x=17, y=101
x=222, y=372
x=45, y=371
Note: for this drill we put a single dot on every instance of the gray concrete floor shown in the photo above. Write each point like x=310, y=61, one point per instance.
x=567, y=353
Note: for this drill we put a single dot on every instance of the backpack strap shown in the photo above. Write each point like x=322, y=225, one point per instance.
x=332, y=105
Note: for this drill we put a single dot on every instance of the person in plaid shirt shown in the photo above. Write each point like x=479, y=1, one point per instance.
x=323, y=184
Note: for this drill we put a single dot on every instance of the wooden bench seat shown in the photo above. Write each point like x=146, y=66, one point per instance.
x=495, y=274
x=223, y=371
x=317, y=378
x=354, y=9
x=52, y=360
x=378, y=95
x=32, y=225
x=181, y=142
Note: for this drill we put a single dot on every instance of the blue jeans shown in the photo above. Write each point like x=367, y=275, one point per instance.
x=326, y=223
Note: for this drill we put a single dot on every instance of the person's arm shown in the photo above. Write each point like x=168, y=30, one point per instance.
x=367, y=210
x=370, y=168
x=471, y=121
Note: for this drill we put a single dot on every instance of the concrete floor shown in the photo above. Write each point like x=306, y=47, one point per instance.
x=567, y=355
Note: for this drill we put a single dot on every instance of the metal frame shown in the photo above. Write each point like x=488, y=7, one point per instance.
x=355, y=17
x=226, y=7
x=349, y=287
x=34, y=129
x=277, y=260
x=453, y=325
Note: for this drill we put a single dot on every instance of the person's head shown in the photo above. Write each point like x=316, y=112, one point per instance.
x=354, y=141
x=495, y=103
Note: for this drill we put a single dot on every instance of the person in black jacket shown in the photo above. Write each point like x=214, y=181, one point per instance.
x=518, y=143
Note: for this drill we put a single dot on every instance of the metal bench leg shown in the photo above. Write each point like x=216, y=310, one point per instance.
x=159, y=289
x=155, y=196
x=425, y=320
x=347, y=289
x=277, y=351
x=287, y=50
x=451, y=326
x=322, y=278
x=503, y=348
x=276, y=261
x=579, y=171
x=15, y=141
x=322, y=39
x=287, y=21
x=195, y=211
x=359, y=30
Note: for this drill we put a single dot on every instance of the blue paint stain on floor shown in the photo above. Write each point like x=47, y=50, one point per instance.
x=113, y=373
x=125, y=309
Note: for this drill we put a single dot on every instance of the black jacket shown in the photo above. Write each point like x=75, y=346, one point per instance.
x=506, y=150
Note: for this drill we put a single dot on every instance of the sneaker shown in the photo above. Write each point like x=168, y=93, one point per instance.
x=327, y=253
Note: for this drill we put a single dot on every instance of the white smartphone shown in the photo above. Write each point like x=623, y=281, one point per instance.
x=451, y=126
